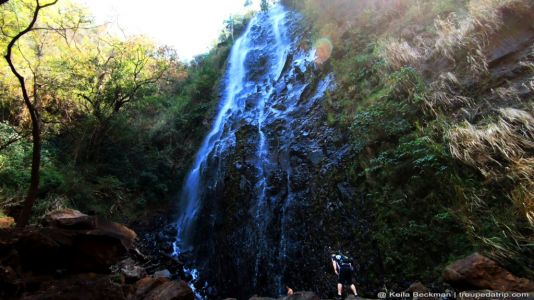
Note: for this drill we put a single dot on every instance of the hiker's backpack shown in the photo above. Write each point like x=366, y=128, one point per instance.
x=343, y=261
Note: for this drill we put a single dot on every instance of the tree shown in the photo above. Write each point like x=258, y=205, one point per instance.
x=30, y=37
x=33, y=109
x=110, y=74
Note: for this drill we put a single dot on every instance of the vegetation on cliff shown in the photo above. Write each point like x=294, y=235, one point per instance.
x=436, y=97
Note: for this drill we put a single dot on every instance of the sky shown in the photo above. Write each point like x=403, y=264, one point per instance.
x=190, y=26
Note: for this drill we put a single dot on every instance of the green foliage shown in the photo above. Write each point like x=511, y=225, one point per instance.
x=382, y=122
x=144, y=152
x=14, y=163
x=425, y=207
x=123, y=118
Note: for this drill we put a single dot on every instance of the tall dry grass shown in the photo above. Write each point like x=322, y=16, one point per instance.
x=462, y=41
x=398, y=54
x=499, y=150
x=503, y=151
x=495, y=148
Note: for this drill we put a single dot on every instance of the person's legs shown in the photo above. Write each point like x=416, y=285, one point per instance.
x=339, y=289
x=353, y=288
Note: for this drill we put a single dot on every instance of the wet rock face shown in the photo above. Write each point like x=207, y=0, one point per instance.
x=253, y=240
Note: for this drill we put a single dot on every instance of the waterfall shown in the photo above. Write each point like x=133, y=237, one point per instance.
x=238, y=88
x=191, y=194
x=261, y=119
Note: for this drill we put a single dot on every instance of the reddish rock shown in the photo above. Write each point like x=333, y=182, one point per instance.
x=46, y=250
x=172, y=290
x=150, y=288
x=69, y=259
x=479, y=272
x=418, y=288
x=83, y=286
x=145, y=285
x=7, y=222
x=70, y=218
x=131, y=271
x=486, y=294
x=115, y=230
x=75, y=220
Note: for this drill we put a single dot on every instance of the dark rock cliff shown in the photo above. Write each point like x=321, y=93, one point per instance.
x=270, y=213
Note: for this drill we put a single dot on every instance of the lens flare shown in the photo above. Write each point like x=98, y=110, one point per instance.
x=323, y=50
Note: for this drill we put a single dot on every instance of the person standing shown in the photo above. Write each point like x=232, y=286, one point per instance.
x=345, y=273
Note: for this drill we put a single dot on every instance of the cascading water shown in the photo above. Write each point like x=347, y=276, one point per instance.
x=215, y=139
x=213, y=144
x=250, y=146
x=232, y=104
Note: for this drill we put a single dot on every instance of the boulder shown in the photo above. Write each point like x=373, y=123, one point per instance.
x=76, y=220
x=82, y=286
x=6, y=222
x=163, y=273
x=114, y=230
x=145, y=285
x=69, y=218
x=418, y=287
x=131, y=271
x=9, y=282
x=294, y=296
x=172, y=290
x=487, y=294
x=150, y=288
x=479, y=272
x=302, y=296
x=51, y=249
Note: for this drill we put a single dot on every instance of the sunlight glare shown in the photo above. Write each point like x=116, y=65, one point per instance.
x=190, y=26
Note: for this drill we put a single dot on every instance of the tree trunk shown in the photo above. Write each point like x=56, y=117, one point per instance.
x=35, y=173
x=33, y=109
